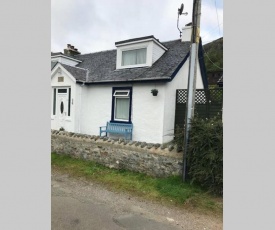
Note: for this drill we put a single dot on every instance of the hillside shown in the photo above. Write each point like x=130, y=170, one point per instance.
x=214, y=52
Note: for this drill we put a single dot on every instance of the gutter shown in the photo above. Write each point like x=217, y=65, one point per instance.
x=167, y=79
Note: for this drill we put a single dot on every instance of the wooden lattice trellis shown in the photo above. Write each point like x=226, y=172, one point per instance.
x=208, y=103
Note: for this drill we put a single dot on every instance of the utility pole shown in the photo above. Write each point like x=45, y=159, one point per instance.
x=191, y=88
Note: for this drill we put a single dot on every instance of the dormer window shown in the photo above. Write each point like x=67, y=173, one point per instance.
x=138, y=52
x=133, y=57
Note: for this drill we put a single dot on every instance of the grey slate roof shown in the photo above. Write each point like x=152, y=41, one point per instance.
x=79, y=74
x=102, y=65
x=53, y=63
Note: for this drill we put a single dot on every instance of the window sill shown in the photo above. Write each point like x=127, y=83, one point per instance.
x=122, y=122
x=133, y=66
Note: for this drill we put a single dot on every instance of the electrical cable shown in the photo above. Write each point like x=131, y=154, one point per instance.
x=217, y=16
x=210, y=59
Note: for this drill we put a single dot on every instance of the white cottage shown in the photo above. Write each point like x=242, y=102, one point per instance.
x=89, y=90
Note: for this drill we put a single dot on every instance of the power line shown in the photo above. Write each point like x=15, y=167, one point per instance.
x=217, y=16
x=211, y=60
x=203, y=36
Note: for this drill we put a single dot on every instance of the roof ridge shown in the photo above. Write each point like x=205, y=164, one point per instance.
x=95, y=52
x=171, y=40
x=73, y=66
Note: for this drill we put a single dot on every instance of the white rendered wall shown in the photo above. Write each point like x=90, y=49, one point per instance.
x=148, y=113
x=80, y=95
x=96, y=108
x=180, y=81
x=157, y=52
x=147, y=110
x=186, y=34
x=199, y=82
x=69, y=123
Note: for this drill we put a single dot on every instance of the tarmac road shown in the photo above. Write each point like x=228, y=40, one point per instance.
x=80, y=205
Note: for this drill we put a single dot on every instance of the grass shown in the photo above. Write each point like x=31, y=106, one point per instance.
x=169, y=190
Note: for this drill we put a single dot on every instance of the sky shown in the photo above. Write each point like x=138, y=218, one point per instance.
x=95, y=25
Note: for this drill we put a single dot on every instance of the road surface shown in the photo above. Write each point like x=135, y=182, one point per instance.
x=79, y=205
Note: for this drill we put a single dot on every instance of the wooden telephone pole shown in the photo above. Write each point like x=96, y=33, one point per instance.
x=191, y=88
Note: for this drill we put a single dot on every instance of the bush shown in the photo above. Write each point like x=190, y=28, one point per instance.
x=204, y=153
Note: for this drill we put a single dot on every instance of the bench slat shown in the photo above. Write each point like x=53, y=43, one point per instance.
x=118, y=128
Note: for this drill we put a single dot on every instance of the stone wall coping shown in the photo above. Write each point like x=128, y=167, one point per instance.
x=168, y=150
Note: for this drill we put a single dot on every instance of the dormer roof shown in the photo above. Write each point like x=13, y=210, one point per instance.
x=140, y=39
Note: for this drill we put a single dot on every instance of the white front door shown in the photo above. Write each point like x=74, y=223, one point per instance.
x=62, y=101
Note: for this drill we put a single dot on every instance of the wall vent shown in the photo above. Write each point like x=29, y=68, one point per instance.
x=60, y=79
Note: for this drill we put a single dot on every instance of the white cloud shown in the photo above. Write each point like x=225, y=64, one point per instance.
x=95, y=25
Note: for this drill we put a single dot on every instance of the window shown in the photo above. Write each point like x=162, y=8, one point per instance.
x=62, y=90
x=121, y=106
x=133, y=57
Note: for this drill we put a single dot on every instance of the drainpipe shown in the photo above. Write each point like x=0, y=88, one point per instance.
x=80, y=107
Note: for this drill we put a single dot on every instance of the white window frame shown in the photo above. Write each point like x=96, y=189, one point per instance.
x=115, y=100
x=144, y=45
x=121, y=91
x=123, y=51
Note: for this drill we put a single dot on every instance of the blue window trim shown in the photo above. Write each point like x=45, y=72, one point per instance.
x=113, y=105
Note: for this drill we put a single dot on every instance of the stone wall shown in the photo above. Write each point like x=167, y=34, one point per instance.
x=151, y=159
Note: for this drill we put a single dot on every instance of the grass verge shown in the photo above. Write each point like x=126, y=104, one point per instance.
x=166, y=190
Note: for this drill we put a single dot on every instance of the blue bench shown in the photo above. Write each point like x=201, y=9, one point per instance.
x=118, y=128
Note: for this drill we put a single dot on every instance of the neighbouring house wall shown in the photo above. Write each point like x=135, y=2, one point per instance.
x=69, y=123
x=154, y=160
x=147, y=110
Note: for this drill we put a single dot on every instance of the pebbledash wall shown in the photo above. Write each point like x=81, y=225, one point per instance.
x=152, y=159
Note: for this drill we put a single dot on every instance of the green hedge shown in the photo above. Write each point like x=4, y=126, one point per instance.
x=205, y=153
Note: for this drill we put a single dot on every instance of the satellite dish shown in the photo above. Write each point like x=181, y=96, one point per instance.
x=180, y=9
x=180, y=13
